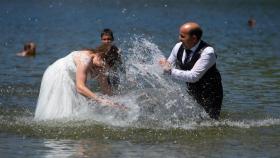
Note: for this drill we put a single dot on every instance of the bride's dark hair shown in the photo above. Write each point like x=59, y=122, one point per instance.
x=110, y=53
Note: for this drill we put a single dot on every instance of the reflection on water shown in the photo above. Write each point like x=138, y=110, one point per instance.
x=80, y=148
x=63, y=148
x=198, y=145
x=91, y=148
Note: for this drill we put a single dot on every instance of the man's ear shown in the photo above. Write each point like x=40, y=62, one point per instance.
x=194, y=37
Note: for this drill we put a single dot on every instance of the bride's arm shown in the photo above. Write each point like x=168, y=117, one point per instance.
x=81, y=79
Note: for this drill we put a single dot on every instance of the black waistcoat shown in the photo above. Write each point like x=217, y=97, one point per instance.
x=209, y=80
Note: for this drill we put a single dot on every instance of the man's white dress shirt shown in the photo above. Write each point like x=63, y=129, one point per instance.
x=207, y=60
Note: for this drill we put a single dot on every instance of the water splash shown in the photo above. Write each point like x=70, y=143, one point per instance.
x=152, y=98
x=158, y=97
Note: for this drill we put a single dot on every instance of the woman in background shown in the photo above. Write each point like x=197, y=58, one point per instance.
x=118, y=69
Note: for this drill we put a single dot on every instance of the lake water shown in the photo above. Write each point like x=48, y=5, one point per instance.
x=248, y=59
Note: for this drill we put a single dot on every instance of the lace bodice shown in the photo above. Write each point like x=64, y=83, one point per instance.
x=84, y=59
x=70, y=65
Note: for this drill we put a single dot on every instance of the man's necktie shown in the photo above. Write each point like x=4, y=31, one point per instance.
x=188, y=55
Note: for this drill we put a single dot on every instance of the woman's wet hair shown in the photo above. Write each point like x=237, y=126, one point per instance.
x=100, y=52
x=109, y=52
x=113, y=56
x=27, y=47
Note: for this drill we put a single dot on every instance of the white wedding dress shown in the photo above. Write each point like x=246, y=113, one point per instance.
x=58, y=96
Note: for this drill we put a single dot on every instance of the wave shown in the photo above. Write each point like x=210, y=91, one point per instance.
x=76, y=129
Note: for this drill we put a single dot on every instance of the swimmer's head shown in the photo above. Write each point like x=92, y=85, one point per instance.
x=252, y=22
x=30, y=49
x=107, y=36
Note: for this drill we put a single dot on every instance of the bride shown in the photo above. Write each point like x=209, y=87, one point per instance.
x=63, y=88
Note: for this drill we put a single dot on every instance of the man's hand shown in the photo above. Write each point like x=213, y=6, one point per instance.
x=165, y=65
x=162, y=62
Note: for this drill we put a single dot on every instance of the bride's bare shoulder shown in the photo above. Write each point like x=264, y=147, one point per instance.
x=84, y=52
x=82, y=57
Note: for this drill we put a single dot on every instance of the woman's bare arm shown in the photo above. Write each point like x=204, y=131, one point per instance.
x=81, y=79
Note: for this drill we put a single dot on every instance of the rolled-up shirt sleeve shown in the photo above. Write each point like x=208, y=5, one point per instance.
x=173, y=56
x=206, y=61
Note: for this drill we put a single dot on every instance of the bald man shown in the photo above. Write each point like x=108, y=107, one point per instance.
x=194, y=61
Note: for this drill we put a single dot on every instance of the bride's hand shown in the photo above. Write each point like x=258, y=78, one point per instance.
x=112, y=104
x=120, y=106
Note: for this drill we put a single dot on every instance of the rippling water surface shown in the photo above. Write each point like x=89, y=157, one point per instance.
x=162, y=121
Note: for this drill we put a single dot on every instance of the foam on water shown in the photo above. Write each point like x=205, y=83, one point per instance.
x=243, y=123
x=24, y=124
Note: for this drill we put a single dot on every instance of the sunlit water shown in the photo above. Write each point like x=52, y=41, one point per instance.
x=162, y=120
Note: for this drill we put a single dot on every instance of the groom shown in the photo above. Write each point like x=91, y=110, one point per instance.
x=195, y=62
